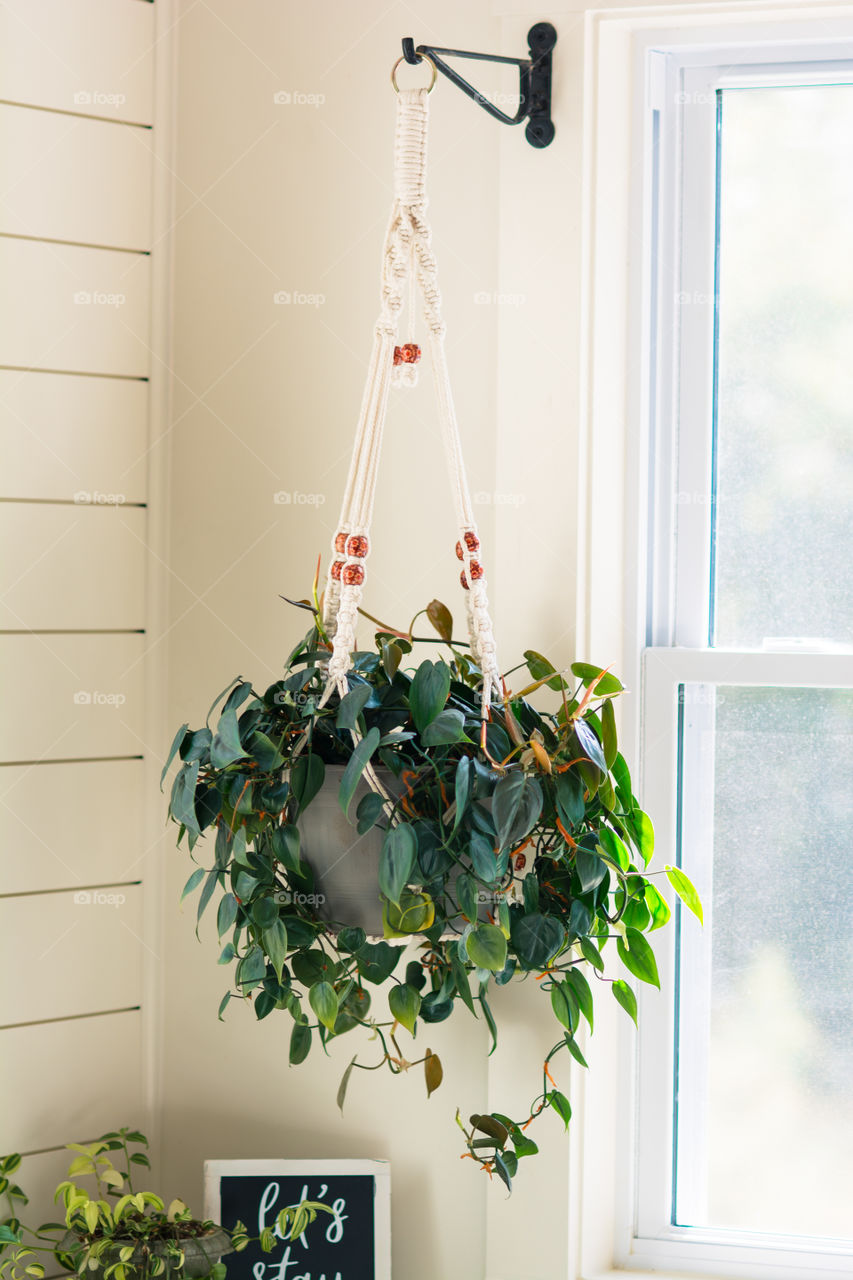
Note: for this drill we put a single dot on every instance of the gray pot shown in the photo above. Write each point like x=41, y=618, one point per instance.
x=201, y=1253
x=345, y=864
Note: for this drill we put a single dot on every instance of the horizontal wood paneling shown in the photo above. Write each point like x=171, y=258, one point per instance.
x=71, y=824
x=63, y=435
x=75, y=567
x=71, y=953
x=64, y=307
x=45, y=682
x=74, y=179
x=90, y=1077
x=93, y=56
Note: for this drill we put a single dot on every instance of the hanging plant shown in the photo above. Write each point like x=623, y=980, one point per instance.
x=508, y=850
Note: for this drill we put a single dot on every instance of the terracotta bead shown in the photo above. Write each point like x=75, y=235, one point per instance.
x=357, y=546
x=408, y=353
x=337, y=565
x=353, y=575
x=472, y=542
x=340, y=543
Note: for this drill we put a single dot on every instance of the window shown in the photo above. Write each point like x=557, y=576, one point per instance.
x=745, y=1087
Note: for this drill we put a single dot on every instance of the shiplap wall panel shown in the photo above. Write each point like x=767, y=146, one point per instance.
x=49, y=838
x=75, y=1107
x=91, y=56
x=45, y=682
x=64, y=307
x=73, y=179
x=72, y=567
x=63, y=435
x=72, y=953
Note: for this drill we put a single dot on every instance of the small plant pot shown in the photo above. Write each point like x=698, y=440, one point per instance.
x=345, y=864
x=201, y=1253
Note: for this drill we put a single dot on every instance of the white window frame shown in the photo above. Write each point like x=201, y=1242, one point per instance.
x=637, y=388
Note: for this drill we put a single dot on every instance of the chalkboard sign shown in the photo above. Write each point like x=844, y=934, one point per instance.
x=353, y=1244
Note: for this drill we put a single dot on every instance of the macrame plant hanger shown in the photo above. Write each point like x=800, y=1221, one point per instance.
x=408, y=266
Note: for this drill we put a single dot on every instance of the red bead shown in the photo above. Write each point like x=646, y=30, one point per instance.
x=472, y=542
x=476, y=570
x=357, y=546
x=340, y=543
x=353, y=575
x=408, y=353
x=463, y=580
x=337, y=565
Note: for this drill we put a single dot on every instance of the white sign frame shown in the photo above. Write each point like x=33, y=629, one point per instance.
x=379, y=1170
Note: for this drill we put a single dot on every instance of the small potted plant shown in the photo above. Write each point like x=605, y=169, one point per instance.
x=507, y=849
x=134, y=1238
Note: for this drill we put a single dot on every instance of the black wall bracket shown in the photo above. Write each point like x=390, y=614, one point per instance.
x=534, y=80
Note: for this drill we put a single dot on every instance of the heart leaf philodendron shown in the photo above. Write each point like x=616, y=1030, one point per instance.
x=509, y=849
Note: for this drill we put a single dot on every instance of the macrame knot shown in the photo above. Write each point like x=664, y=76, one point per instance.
x=410, y=148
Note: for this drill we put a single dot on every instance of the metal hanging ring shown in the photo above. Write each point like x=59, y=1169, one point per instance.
x=422, y=57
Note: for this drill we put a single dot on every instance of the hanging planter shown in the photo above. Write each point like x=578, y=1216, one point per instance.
x=365, y=802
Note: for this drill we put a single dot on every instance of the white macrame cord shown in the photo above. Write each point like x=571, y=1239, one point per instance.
x=407, y=262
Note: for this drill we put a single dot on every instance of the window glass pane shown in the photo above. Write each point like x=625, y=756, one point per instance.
x=765, y=1026
x=784, y=482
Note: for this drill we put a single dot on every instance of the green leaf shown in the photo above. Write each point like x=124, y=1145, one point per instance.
x=223, y=1005
x=506, y=802
x=227, y=914
x=251, y=969
x=466, y=895
x=351, y=938
x=625, y=996
x=560, y=1103
x=574, y=1049
x=586, y=672
x=462, y=789
x=182, y=801
x=405, y=1002
x=638, y=957
x=433, y=1072
x=193, y=882
x=226, y=746
x=592, y=954
x=490, y=1021
x=536, y=939
x=285, y=844
x=686, y=890
x=369, y=811
x=300, y=1043
x=590, y=868
x=306, y=779
x=414, y=913
x=342, y=1087
x=397, y=860
x=275, y=942
x=376, y=961
x=565, y=1006
x=355, y=767
x=264, y=750
x=447, y=727
x=589, y=744
x=540, y=667
x=428, y=692
x=583, y=993
x=483, y=858
x=568, y=790
x=658, y=907
x=352, y=705
x=644, y=834
x=206, y=894
x=441, y=618
x=324, y=1001
x=503, y=1165
x=176, y=744
x=486, y=947
x=608, y=733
